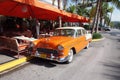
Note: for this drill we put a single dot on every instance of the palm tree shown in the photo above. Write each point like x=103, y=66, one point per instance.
x=106, y=20
x=116, y=3
x=100, y=12
x=111, y=11
x=104, y=13
x=72, y=9
x=83, y=11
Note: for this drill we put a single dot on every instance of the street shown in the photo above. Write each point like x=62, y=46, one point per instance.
x=101, y=61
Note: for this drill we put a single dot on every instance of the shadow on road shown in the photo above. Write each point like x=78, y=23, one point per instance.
x=42, y=62
x=46, y=63
x=112, y=70
x=118, y=40
x=7, y=53
x=115, y=33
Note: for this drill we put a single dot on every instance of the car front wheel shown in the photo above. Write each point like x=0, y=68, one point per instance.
x=70, y=56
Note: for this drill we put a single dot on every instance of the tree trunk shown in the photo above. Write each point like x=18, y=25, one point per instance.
x=101, y=16
x=94, y=20
x=98, y=14
x=97, y=21
x=59, y=6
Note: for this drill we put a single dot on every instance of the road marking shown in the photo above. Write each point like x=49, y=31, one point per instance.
x=14, y=63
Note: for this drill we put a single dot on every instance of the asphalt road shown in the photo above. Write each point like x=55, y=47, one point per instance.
x=100, y=62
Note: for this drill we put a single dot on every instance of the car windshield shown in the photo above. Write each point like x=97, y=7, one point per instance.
x=64, y=32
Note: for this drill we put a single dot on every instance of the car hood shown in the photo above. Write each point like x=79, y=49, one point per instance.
x=53, y=42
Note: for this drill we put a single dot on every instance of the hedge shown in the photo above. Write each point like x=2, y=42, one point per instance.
x=96, y=36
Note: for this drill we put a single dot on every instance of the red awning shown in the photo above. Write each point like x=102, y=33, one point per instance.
x=36, y=9
x=70, y=17
x=27, y=8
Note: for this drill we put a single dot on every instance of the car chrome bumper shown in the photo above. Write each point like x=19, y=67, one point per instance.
x=52, y=57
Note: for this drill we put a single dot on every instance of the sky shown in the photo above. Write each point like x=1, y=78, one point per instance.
x=116, y=15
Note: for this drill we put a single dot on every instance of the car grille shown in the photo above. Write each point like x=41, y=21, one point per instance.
x=49, y=51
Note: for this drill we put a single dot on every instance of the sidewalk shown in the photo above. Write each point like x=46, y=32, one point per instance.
x=6, y=56
x=10, y=59
x=95, y=40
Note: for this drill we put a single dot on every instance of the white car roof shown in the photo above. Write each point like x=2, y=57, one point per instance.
x=70, y=28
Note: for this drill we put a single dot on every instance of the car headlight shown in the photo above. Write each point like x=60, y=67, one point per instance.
x=60, y=47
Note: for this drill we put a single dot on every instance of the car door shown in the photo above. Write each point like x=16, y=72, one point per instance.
x=79, y=40
x=84, y=36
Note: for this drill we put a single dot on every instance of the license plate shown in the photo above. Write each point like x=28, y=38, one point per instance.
x=43, y=55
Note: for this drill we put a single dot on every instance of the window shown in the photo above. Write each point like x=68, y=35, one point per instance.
x=64, y=32
x=84, y=31
x=79, y=33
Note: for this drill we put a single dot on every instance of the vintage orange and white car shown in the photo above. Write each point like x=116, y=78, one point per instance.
x=61, y=47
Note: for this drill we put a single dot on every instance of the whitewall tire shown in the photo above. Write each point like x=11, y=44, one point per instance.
x=70, y=56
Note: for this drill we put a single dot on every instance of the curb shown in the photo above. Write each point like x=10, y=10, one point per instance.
x=14, y=63
x=95, y=40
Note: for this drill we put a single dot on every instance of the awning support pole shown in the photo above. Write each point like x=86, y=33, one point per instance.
x=60, y=21
x=37, y=28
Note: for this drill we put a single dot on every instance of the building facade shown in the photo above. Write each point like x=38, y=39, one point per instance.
x=55, y=3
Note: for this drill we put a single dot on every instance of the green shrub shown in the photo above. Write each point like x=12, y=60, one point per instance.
x=97, y=36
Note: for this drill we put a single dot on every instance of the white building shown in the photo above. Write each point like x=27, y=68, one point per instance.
x=56, y=2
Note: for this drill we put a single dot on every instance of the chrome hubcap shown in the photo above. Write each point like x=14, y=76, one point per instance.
x=70, y=56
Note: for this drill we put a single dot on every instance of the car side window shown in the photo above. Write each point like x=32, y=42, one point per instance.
x=79, y=33
x=84, y=32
